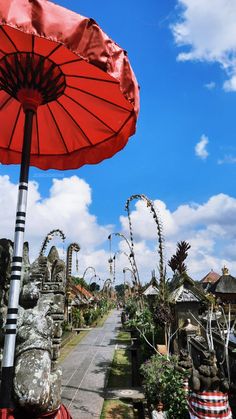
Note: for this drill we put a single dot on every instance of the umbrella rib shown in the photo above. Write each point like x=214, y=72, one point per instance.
x=54, y=50
x=91, y=113
x=120, y=129
x=3, y=52
x=76, y=123
x=96, y=79
x=106, y=139
x=14, y=127
x=94, y=145
x=11, y=72
x=37, y=130
x=70, y=62
x=18, y=65
x=9, y=38
x=3, y=104
x=58, y=129
x=98, y=97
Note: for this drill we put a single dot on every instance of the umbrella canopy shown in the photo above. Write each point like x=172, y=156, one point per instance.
x=71, y=91
x=79, y=79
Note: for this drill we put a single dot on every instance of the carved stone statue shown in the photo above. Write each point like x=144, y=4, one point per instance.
x=185, y=363
x=207, y=376
x=39, y=332
x=6, y=251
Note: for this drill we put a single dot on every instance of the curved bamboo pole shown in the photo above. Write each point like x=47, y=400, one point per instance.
x=49, y=237
x=73, y=247
x=131, y=256
x=160, y=238
x=87, y=269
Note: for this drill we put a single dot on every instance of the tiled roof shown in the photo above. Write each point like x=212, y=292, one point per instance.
x=80, y=294
x=83, y=291
x=211, y=277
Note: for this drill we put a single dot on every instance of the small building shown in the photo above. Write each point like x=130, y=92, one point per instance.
x=151, y=289
x=86, y=294
x=186, y=300
x=225, y=288
x=79, y=297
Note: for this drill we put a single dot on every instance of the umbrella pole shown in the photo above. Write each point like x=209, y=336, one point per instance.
x=6, y=396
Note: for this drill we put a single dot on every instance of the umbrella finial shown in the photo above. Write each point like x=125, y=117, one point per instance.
x=30, y=99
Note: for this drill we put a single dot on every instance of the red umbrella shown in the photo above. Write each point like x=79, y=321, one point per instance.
x=72, y=92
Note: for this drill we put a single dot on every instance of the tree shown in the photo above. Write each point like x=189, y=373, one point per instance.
x=176, y=262
x=94, y=287
x=120, y=289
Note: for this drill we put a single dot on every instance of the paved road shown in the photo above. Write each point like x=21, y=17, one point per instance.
x=85, y=370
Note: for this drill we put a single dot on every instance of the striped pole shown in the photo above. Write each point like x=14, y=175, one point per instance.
x=6, y=399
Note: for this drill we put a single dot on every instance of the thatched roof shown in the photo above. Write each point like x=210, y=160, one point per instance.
x=226, y=284
x=185, y=289
x=150, y=290
x=183, y=295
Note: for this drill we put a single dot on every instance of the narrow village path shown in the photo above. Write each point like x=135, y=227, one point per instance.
x=85, y=370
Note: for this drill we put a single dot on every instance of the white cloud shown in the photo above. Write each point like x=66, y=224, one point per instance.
x=227, y=159
x=66, y=208
x=200, y=148
x=210, y=86
x=207, y=32
x=230, y=85
x=210, y=227
x=143, y=223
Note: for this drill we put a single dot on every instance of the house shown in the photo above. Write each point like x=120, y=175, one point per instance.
x=87, y=295
x=77, y=296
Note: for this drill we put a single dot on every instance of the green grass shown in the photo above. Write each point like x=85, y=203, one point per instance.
x=117, y=409
x=120, y=373
x=123, y=338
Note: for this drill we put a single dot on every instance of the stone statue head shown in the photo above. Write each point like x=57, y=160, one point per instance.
x=29, y=295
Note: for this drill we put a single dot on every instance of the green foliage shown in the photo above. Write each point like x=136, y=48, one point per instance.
x=120, y=290
x=80, y=281
x=150, y=330
x=143, y=320
x=89, y=315
x=131, y=308
x=77, y=318
x=94, y=287
x=163, y=383
x=65, y=327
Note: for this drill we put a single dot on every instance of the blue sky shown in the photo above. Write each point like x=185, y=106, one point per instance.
x=184, y=99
